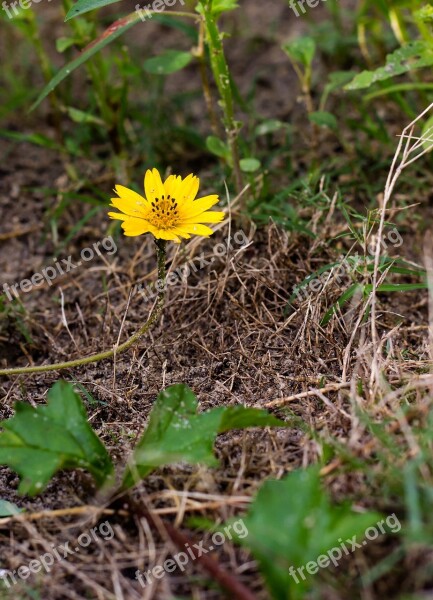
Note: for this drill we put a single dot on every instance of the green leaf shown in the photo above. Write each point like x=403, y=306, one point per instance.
x=33, y=138
x=168, y=62
x=219, y=7
x=177, y=433
x=37, y=442
x=425, y=13
x=79, y=116
x=427, y=133
x=301, y=50
x=250, y=165
x=117, y=29
x=218, y=147
x=7, y=509
x=337, y=80
x=269, y=126
x=83, y=6
x=413, y=55
x=324, y=119
x=292, y=522
x=239, y=417
x=63, y=43
x=345, y=297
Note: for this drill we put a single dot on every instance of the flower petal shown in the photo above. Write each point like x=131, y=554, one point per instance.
x=153, y=186
x=198, y=206
x=181, y=231
x=132, y=227
x=118, y=216
x=129, y=208
x=166, y=234
x=129, y=195
x=188, y=190
x=210, y=216
x=172, y=186
x=197, y=229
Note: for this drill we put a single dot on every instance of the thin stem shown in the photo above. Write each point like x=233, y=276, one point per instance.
x=117, y=349
x=221, y=75
x=201, y=55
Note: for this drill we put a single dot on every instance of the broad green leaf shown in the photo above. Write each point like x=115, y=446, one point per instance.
x=115, y=30
x=413, y=55
x=324, y=119
x=177, y=433
x=301, y=50
x=83, y=6
x=217, y=147
x=168, y=62
x=37, y=442
x=250, y=165
x=292, y=522
x=7, y=509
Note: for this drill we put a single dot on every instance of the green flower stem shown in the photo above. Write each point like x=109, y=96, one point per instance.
x=221, y=75
x=116, y=350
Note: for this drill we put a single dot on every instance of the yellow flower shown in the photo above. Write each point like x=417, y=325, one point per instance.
x=169, y=211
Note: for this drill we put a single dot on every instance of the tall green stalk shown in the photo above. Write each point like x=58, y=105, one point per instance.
x=221, y=75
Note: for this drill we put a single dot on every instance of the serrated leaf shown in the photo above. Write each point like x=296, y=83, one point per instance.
x=83, y=6
x=177, y=433
x=37, y=442
x=168, y=62
x=413, y=55
x=292, y=522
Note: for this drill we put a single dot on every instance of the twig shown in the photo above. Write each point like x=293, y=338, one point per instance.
x=236, y=589
x=333, y=387
x=116, y=350
x=393, y=176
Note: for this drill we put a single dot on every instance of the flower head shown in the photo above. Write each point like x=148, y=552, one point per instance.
x=169, y=211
